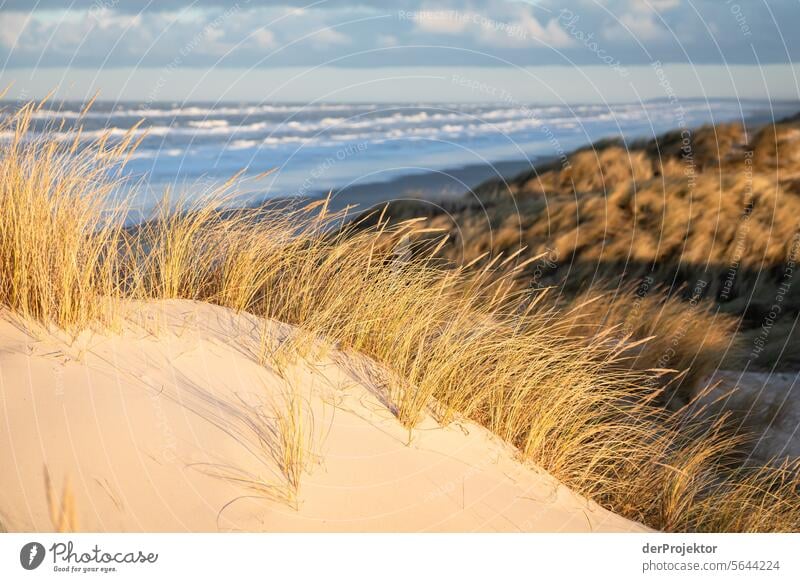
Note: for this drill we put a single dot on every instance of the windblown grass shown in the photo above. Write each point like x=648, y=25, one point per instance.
x=294, y=424
x=687, y=337
x=455, y=341
x=57, y=240
x=713, y=209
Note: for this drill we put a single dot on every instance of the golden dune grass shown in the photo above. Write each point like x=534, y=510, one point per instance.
x=457, y=341
x=684, y=336
x=716, y=206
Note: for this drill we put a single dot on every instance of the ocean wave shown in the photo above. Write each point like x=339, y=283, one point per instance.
x=190, y=111
x=173, y=130
x=205, y=123
x=394, y=126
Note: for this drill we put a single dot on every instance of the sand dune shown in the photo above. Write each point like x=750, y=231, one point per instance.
x=172, y=423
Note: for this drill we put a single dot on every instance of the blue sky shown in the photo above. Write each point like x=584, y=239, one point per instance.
x=242, y=50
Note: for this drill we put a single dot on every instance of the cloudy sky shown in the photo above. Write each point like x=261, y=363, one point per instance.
x=294, y=49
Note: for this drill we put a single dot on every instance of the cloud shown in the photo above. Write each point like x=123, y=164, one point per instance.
x=137, y=6
x=387, y=40
x=447, y=22
x=264, y=38
x=498, y=24
x=244, y=33
x=644, y=27
x=525, y=29
x=326, y=37
x=660, y=5
x=12, y=27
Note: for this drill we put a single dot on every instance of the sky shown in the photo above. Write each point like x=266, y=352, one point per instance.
x=447, y=50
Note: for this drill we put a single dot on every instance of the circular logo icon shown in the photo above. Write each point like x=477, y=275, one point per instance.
x=31, y=555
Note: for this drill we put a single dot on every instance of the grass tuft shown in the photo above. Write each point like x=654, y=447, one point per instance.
x=456, y=341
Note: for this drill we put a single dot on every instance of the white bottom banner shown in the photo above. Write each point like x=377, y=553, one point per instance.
x=400, y=557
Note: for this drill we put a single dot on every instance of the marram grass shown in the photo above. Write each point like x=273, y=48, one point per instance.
x=458, y=342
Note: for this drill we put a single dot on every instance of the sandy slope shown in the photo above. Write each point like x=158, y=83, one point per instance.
x=171, y=424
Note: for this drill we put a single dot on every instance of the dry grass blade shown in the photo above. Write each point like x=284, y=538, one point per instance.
x=454, y=341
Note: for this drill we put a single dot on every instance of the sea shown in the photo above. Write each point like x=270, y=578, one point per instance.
x=364, y=152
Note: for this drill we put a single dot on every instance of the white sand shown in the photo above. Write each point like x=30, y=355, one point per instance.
x=170, y=425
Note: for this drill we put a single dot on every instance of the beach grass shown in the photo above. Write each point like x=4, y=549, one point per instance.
x=455, y=341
